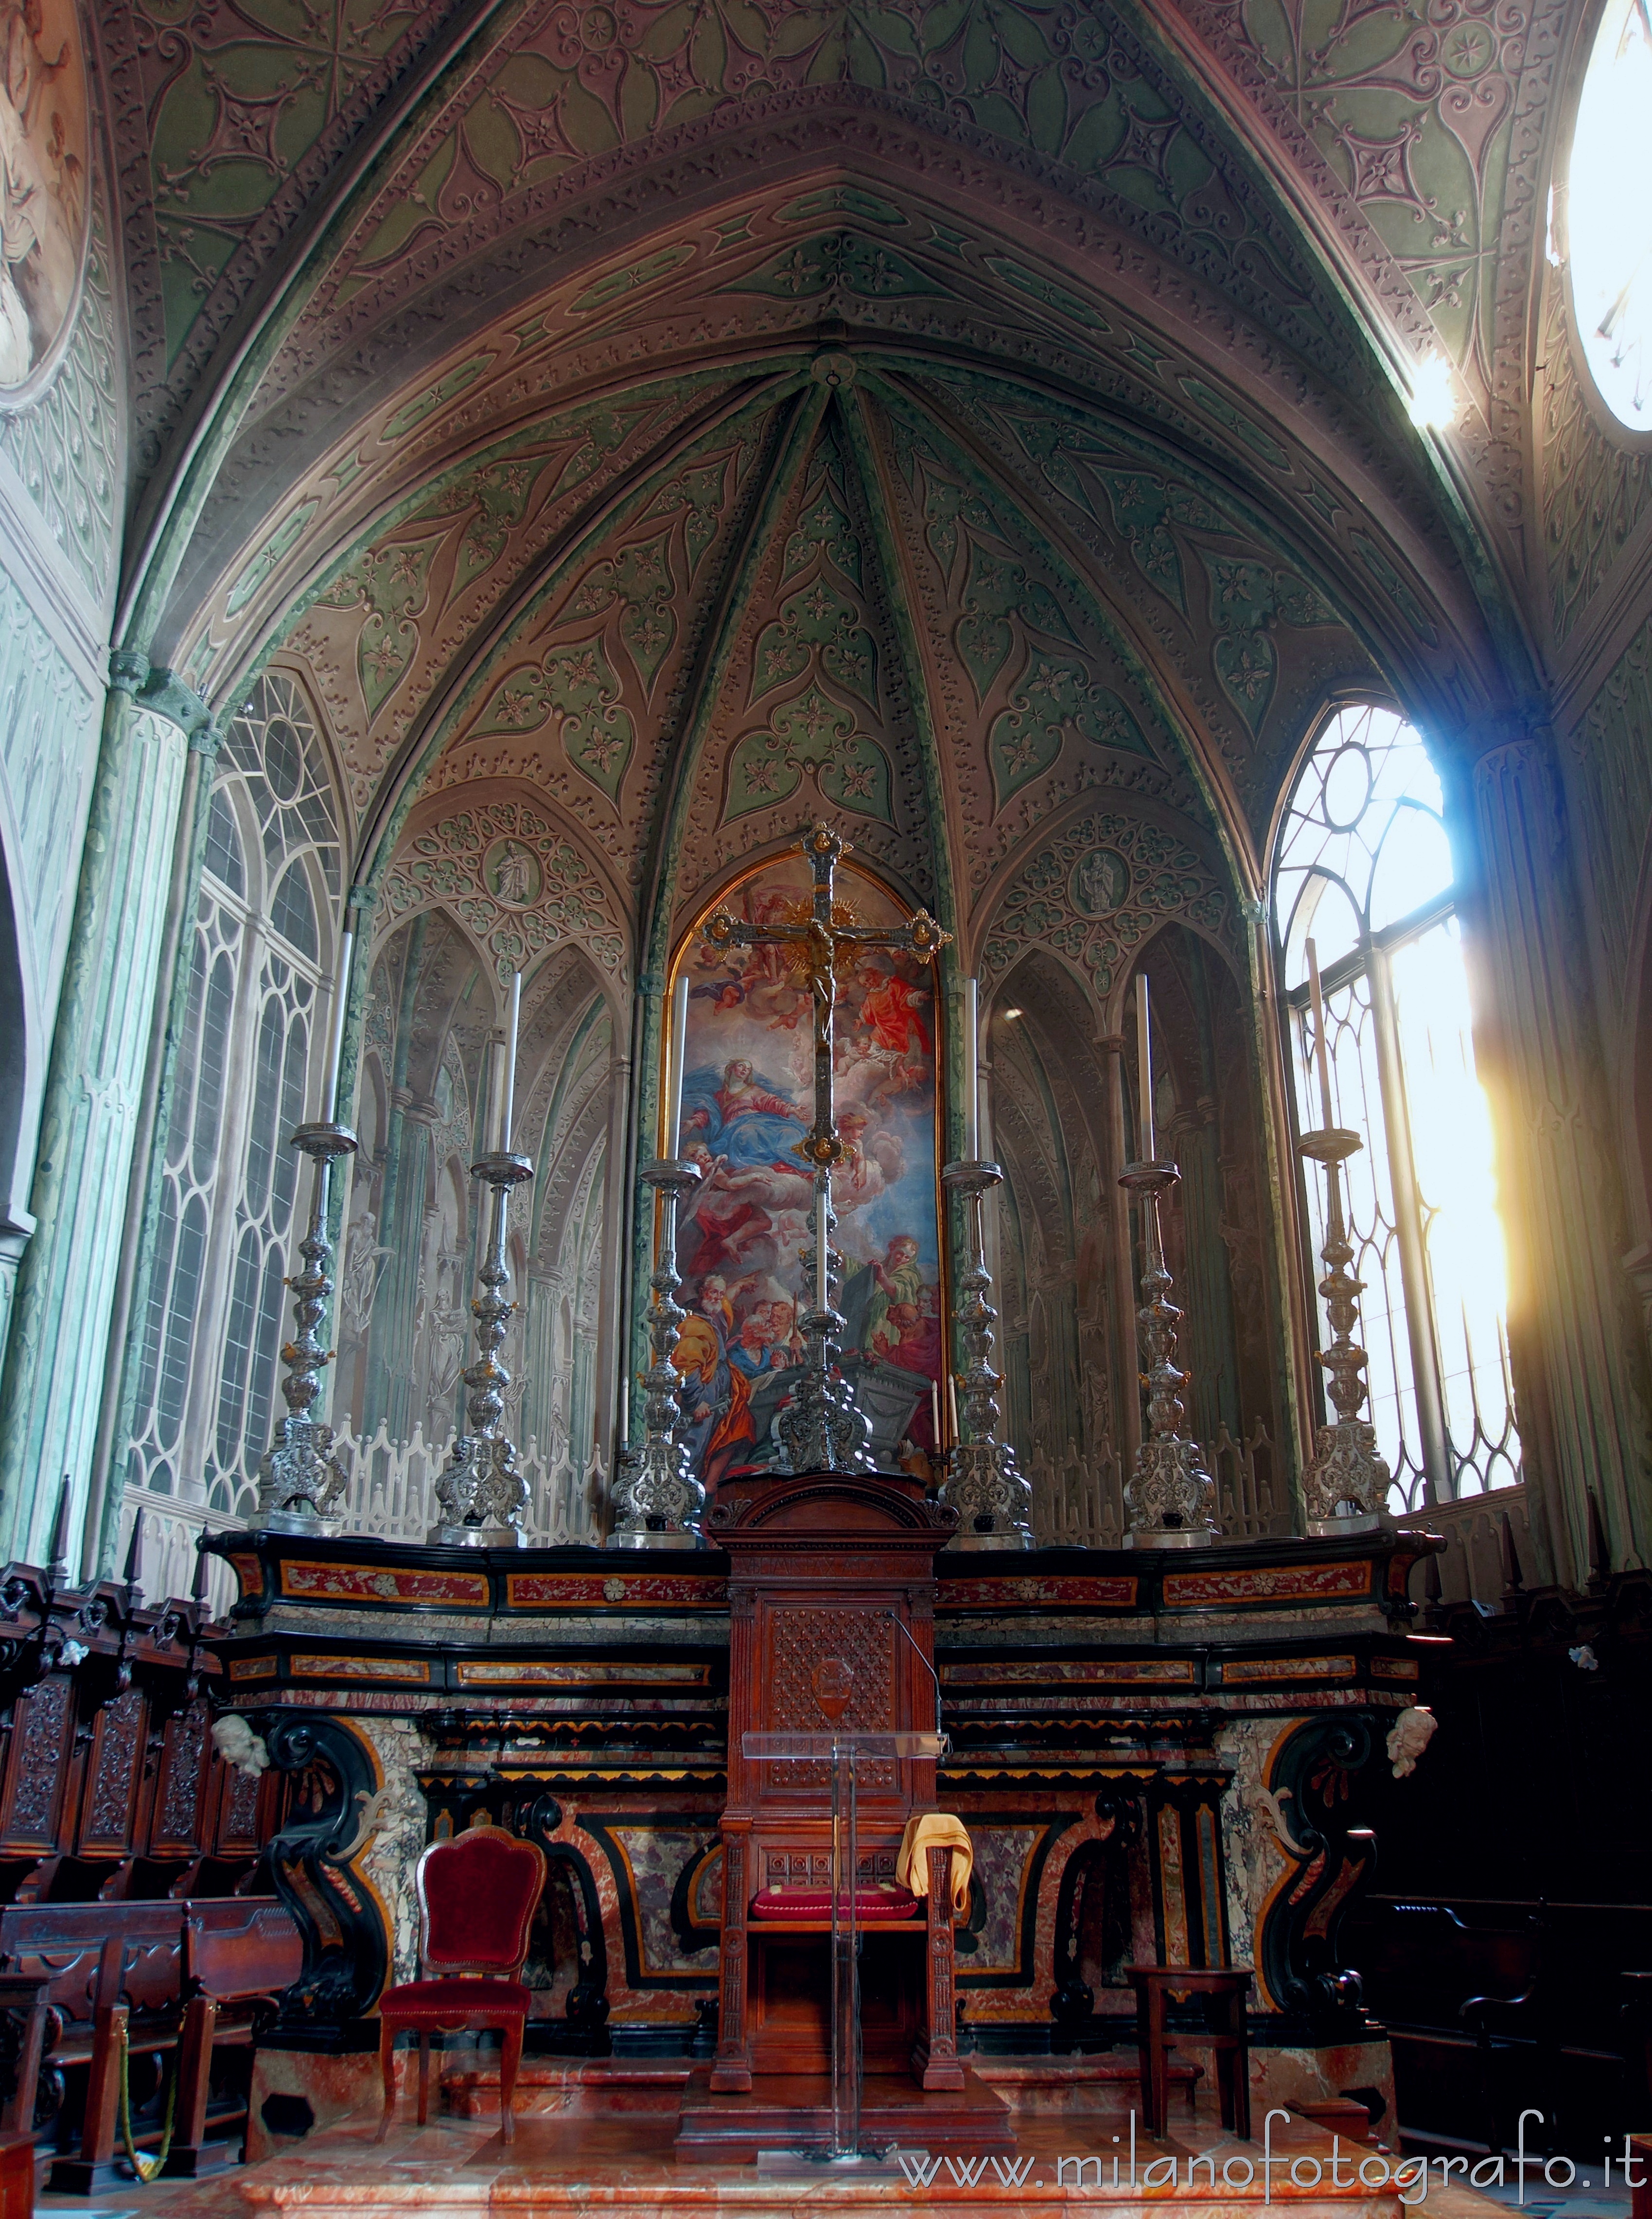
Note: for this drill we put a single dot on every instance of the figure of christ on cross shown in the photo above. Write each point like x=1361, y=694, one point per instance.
x=813, y=944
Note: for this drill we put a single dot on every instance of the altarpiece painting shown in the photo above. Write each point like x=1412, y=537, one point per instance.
x=748, y=1091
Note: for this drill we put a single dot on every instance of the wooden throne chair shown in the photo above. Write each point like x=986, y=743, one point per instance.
x=831, y=1598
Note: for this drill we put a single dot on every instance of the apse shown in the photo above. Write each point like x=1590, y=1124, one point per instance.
x=825, y=853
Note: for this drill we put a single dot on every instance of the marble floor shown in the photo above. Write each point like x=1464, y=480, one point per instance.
x=590, y=2143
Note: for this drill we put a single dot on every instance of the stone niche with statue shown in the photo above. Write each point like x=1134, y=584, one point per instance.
x=1161, y=1757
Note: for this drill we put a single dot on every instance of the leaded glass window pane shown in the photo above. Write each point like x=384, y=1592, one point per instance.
x=1363, y=869
x=209, y=1355
x=1451, y=1142
x=189, y=1177
x=292, y=913
x=1364, y=844
x=223, y=856
x=1609, y=214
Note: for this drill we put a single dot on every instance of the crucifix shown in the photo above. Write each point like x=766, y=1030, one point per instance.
x=815, y=941
x=821, y=1430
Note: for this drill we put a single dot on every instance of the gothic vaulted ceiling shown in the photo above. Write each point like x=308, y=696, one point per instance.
x=972, y=417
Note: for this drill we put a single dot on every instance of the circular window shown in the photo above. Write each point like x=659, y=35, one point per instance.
x=283, y=758
x=1609, y=214
x=1346, y=794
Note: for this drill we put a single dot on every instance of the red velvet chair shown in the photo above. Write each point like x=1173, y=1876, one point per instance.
x=477, y=1895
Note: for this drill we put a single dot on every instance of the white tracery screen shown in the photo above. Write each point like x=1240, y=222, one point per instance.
x=1363, y=867
x=230, y=1186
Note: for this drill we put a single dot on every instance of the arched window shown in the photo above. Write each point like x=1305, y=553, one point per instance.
x=1608, y=227
x=245, y=1075
x=1363, y=868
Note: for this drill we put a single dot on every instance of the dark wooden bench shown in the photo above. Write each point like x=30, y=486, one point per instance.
x=92, y=1976
x=231, y=1966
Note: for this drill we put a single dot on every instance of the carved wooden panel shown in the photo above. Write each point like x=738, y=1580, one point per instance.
x=238, y=1822
x=801, y=1642
x=813, y=1867
x=40, y=1744
x=113, y=1772
x=179, y=1797
x=731, y=1966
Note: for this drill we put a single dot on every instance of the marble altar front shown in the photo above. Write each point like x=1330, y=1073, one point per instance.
x=1160, y=1757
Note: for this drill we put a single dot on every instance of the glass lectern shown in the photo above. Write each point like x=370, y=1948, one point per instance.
x=845, y=1753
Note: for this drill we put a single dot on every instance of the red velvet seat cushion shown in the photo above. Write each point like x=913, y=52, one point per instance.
x=447, y=2003
x=871, y=1904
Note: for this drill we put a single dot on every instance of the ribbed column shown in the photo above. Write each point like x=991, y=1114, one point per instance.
x=53, y=1387
x=1579, y=1370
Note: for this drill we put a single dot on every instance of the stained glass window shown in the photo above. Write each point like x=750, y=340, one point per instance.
x=1363, y=869
x=1608, y=229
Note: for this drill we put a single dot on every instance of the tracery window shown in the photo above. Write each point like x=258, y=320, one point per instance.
x=1608, y=229
x=262, y=943
x=1363, y=868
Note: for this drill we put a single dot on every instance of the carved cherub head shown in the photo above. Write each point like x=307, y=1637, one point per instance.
x=237, y=1744
x=1408, y=1736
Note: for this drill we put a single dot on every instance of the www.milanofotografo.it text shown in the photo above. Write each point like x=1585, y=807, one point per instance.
x=1238, y=2172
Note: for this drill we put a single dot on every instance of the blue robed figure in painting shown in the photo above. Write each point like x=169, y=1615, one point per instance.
x=741, y=1117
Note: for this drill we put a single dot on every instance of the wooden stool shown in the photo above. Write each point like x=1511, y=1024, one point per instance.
x=1222, y=1990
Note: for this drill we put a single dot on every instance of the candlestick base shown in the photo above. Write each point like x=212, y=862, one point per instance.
x=1346, y=1481
x=658, y=1503
x=305, y=1468
x=1339, y=1529
x=994, y=1503
x=820, y=1429
x=984, y=1482
x=477, y=1537
x=301, y=1479
x=1169, y=1498
x=481, y=1496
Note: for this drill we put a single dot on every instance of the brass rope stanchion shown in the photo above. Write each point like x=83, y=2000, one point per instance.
x=147, y=2168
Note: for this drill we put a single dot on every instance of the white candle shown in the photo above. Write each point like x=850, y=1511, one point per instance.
x=1317, y=1002
x=822, y=1250
x=934, y=1413
x=952, y=1401
x=336, y=1046
x=674, y=1068
x=972, y=1070
x=508, y=1108
x=625, y=1411
x=1145, y=1062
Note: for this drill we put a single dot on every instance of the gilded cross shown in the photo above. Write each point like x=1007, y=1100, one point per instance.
x=816, y=940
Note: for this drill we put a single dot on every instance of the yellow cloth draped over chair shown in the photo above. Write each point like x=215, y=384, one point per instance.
x=936, y=1829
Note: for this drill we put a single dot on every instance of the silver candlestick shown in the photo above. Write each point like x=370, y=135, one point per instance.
x=301, y=1479
x=820, y=1428
x=657, y=1499
x=1170, y=1501
x=984, y=1482
x=481, y=1494
x=1347, y=1484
